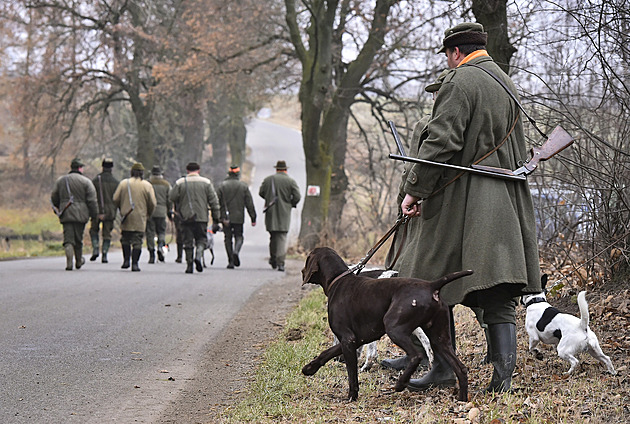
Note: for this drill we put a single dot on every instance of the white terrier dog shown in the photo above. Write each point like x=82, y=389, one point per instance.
x=571, y=334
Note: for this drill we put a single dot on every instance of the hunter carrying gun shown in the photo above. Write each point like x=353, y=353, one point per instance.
x=472, y=217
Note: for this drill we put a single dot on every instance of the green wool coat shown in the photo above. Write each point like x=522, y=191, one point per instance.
x=234, y=198
x=161, y=188
x=143, y=199
x=476, y=222
x=278, y=216
x=83, y=192
x=105, y=187
x=201, y=194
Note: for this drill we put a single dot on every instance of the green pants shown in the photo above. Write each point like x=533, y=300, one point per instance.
x=133, y=238
x=156, y=226
x=108, y=226
x=497, y=304
x=278, y=246
x=73, y=233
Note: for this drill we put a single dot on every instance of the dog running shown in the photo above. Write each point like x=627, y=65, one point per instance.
x=362, y=309
x=570, y=334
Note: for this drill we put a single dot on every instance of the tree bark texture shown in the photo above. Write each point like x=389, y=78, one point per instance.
x=492, y=14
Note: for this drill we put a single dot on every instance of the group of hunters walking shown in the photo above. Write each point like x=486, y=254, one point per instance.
x=145, y=207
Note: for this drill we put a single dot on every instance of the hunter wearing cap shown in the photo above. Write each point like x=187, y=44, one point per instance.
x=136, y=200
x=281, y=193
x=470, y=221
x=194, y=195
x=105, y=184
x=156, y=225
x=234, y=199
x=74, y=201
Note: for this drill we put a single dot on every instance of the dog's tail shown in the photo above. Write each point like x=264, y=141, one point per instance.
x=581, y=300
x=441, y=282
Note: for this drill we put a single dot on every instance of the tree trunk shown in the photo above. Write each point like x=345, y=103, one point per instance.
x=492, y=14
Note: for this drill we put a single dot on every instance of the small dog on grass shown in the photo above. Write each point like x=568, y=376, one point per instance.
x=570, y=334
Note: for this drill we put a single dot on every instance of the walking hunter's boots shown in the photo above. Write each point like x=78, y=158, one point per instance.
x=78, y=257
x=135, y=257
x=69, y=250
x=151, y=256
x=126, y=248
x=238, y=243
x=95, y=247
x=106, y=244
x=189, y=260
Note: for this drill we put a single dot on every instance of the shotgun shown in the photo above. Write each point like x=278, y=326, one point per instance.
x=556, y=142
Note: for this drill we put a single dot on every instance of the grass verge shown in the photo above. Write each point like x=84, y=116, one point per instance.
x=280, y=393
x=17, y=223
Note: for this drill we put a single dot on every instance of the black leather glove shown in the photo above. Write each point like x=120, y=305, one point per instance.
x=170, y=215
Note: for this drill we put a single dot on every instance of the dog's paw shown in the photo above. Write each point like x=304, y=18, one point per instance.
x=353, y=395
x=310, y=369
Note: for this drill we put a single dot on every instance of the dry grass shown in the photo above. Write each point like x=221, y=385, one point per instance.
x=542, y=393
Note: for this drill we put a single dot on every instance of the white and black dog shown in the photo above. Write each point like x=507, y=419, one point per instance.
x=570, y=334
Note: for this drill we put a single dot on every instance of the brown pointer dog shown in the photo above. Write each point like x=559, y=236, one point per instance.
x=363, y=309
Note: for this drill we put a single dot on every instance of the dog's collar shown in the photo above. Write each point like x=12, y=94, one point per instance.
x=343, y=274
x=535, y=300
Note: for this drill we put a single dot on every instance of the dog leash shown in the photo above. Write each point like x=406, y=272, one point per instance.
x=358, y=267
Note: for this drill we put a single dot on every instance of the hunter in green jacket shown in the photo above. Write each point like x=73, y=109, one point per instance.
x=74, y=201
x=105, y=184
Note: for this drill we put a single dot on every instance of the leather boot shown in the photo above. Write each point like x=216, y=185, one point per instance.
x=198, y=256
x=230, y=253
x=238, y=243
x=69, y=249
x=135, y=257
x=78, y=256
x=189, y=261
x=126, y=248
x=105, y=249
x=441, y=374
x=152, y=256
x=503, y=345
x=94, y=247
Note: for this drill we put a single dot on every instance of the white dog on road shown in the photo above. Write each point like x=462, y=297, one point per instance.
x=571, y=334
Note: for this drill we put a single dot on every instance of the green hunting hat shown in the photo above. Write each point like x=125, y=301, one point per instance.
x=464, y=33
x=107, y=163
x=435, y=86
x=137, y=167
x=76, y=163
x=193, y=166
x=156, y=170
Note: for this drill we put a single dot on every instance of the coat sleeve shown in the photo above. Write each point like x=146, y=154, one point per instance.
x=213, y=203
x=249, y=204
x=295, y=193
x=150, y=198
x=90, y=195
x=54, y=197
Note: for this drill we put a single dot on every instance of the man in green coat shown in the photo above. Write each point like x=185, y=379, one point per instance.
x=156, y=225
x=194, y=195
x=281, y=193
x=74, y=201
x=105, y=185
x=136, y=200
x=234, y=199
x=470, y=221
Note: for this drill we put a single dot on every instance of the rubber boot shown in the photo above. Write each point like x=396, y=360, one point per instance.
x=441, y=374
x=94, y=247
x=135, y=257
x=487, y=359
x=126, y=248
x=105, y=249
x=180, y=250
x=503, y=342
x=152, y=256
x=198, y=255
x=189, y=261
x=78, y=256
x=238, y=243
x=69, y=249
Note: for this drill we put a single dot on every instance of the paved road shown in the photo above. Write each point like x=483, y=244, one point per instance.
x=102, y=344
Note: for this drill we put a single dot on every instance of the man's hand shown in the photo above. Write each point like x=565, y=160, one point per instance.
x=101, y=217
x=170, y=215
x=215, y=228
x=253, y=224
x=410, y=206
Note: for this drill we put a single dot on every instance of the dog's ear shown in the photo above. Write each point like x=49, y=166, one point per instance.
x=310, y=268
x=543, y=282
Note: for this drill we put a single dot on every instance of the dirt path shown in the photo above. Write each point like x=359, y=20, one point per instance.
x=227, y=368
